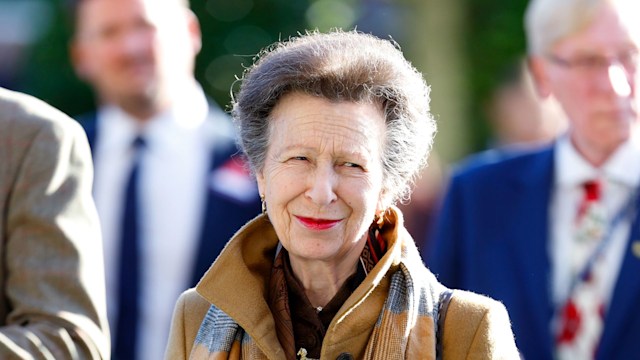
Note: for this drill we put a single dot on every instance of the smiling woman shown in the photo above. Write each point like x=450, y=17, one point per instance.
x=335, y=127
x=322, y=181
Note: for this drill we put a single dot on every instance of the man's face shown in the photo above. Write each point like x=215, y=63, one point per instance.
x=134, y=50
x=593, y=74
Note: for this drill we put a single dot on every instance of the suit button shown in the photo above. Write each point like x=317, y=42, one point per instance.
x=344, y=356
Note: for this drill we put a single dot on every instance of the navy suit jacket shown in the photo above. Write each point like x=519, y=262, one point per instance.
x=492, y=237
x=224, y=213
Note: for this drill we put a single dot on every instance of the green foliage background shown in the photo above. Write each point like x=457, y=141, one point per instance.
x=495, y=39
x=239, y=29
x=234, y=31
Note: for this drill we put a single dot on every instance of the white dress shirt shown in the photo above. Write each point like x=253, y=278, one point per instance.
x=619, y=176
x=173, y=175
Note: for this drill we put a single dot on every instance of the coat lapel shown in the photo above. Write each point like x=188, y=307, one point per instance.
x=232, y=195
x=89, y=123
x=210, y=242
x=626, y=294
x=528, y=222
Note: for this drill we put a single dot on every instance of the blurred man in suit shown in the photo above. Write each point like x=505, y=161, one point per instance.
x=52, y=296
x=554, y=233
x=163, y=159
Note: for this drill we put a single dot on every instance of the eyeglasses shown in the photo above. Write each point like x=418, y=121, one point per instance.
x=595, y=63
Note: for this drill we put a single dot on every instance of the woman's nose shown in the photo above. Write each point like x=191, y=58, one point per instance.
x=321, y=185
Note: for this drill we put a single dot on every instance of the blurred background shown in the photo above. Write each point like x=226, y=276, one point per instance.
x=464, y=48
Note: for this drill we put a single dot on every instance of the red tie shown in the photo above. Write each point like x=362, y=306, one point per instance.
x=591, y=195
x=580, y=317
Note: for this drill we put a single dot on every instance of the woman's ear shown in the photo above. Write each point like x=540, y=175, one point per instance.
x=261, y=183
x=383, y=203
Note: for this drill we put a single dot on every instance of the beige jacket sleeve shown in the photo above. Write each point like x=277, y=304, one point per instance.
x=52, y=303
x=477, y=327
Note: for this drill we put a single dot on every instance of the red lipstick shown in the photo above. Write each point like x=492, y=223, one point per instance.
x=317, y=224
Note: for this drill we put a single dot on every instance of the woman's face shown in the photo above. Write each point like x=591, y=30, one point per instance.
x=322, y=177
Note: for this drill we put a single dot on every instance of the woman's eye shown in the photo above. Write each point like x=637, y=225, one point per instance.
x=301, y=158
x=353, y=165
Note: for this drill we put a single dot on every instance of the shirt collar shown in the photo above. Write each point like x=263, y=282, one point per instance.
x=624, y=164
x=187, y=116
x=116, y=129
x=622, y=167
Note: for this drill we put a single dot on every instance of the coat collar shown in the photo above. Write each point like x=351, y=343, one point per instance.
x=246, y=261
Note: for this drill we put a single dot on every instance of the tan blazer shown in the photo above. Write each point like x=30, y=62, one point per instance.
x=52, y=300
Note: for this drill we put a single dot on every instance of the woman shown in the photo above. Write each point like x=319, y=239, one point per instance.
x=335, y=127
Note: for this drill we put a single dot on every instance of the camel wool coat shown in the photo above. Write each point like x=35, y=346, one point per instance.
x=475, y=327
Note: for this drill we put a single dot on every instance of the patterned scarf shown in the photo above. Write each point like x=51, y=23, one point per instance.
x=405, y=327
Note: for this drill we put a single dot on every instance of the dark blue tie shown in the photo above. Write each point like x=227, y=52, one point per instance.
x=129, y=270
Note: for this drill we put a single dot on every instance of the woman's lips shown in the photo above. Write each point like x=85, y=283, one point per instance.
x=317, y=224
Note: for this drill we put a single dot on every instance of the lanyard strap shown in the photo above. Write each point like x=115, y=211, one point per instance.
x=628, y=211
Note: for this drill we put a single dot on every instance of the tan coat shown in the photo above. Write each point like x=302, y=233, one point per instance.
x=476, y=327
x=52, y=301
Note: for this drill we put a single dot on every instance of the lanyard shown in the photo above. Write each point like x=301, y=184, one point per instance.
x=628, y=211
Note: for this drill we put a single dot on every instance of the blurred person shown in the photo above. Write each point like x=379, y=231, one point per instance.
x=519, y=120
x=335, y=127
x=517, y=115
x=553, y=233
x=420, y=210
x=53, y=296
x=168, y=192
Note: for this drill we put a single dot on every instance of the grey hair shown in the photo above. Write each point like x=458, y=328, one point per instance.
x=341, y=66
x=548, y=21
